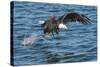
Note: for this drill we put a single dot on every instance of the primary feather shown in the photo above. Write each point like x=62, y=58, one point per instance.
x=73, y=17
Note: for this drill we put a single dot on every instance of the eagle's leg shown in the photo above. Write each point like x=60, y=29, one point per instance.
x=52, y=33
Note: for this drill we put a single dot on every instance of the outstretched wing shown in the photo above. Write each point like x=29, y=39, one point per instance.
x=73, y=16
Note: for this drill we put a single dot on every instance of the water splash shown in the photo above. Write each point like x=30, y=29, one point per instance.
x=32, y=38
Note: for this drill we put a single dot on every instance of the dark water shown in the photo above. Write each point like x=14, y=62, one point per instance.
x=77, y=44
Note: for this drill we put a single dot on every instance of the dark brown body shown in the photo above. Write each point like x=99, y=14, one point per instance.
x=51, y=25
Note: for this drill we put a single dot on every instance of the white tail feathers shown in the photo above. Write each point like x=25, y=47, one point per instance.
x=41, y=22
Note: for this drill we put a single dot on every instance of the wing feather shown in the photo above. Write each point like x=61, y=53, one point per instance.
x=73, y=17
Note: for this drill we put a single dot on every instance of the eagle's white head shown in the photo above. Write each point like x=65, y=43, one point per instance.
x=63, y=26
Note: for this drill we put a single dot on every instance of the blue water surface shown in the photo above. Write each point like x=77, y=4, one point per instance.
x=77, y=44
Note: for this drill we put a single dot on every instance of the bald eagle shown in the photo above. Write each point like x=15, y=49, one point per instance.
x=53, y=25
